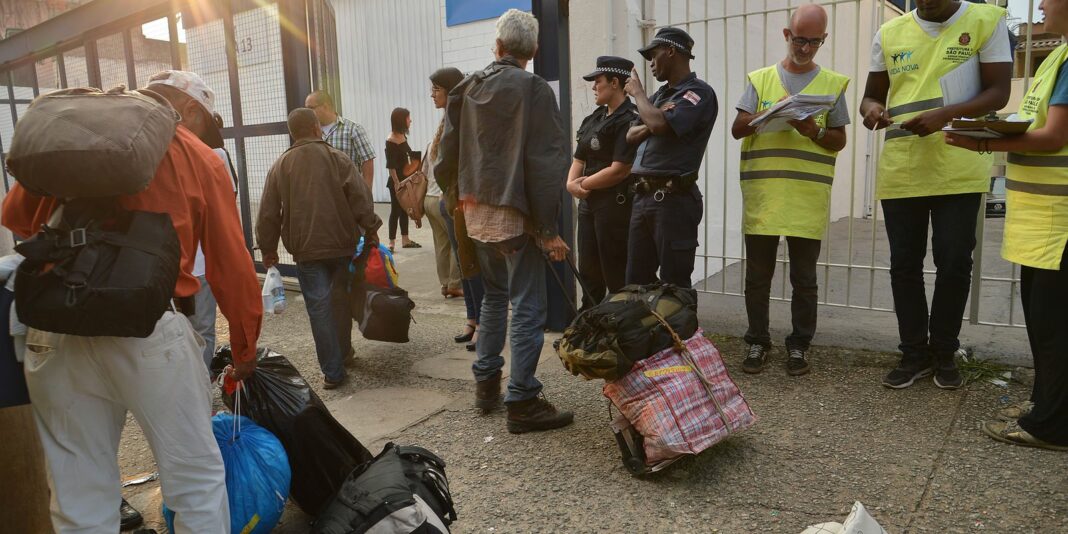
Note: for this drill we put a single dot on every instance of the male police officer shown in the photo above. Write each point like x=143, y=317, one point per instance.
x=920, y=178
x=675, y=126
x=786, y=185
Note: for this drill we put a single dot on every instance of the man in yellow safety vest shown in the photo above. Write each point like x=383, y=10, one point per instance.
x=921, y=179
x=786, y=178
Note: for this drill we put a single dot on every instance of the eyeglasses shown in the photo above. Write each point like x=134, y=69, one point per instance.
x=800, y=42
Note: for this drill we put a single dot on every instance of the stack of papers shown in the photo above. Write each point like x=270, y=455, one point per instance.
x=796, y=107
x=984, y=129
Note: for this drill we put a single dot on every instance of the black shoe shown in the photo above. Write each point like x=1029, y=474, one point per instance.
x=129, y=517
x=534, y=415
x=797, y=363
x=466, y=336
x=907, y=372
x=756, y=359
x=471, y=346
x=488, y=393
x=946, y=374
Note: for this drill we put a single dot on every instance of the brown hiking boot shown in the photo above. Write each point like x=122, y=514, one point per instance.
x=488, y=393
x=533, y=415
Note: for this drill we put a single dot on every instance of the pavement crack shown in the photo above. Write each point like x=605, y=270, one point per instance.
x=937, y=464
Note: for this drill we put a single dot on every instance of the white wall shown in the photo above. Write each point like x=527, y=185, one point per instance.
x=387, y=51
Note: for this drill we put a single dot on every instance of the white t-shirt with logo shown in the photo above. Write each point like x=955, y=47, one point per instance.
x=996, y=49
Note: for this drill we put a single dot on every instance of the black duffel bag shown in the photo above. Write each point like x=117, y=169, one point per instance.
x=90, y=278
x=605, y=340
x=383, y=314
x=403, y=490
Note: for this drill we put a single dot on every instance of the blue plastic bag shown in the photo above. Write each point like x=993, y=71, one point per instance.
x=257, y=475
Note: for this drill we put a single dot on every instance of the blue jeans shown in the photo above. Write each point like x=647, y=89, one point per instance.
x=473, y=288
x=204, y=318
x=323, y=283
x=513, y=271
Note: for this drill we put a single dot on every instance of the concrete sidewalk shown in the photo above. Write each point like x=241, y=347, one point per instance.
x=915, y=458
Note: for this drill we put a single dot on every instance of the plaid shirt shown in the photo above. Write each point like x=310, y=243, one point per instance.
x=350, y=138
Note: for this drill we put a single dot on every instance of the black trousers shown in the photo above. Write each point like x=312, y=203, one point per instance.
x=396, y=214
x=603, y=228
x=951, y=219
x=761, y=251
x=1044, y=294
x=663, y=235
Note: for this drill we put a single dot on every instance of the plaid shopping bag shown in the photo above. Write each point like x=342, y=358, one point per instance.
x=668, y=403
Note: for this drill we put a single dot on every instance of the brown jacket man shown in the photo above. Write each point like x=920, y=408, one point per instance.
x=316, y=202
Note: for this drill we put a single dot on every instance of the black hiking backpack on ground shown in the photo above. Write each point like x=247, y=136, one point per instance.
x=95, y=269
x=403, y=490
x=605, y=340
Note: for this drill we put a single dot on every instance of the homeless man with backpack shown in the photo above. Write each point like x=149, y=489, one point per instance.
x=82, y=387
x=504, y=144
x=315, y=201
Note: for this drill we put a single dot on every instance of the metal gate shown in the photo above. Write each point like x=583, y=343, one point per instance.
x=261, y=58
x=734, y=37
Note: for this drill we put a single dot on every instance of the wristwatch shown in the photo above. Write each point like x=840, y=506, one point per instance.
x=821, y=133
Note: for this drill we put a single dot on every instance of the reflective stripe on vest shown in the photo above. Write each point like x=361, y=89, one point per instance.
x=1036, y=210
x=785, y=177
x=914, y=166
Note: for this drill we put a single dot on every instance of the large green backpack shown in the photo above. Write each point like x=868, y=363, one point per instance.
x=605, y=340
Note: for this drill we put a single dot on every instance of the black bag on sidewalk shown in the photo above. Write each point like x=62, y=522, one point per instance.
x=403, y=490
x=321, y=451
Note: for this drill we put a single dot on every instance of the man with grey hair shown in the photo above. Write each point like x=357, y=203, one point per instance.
x=319, y=222
x=505, y=145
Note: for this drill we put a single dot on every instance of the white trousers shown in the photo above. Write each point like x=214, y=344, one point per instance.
x=80, y=390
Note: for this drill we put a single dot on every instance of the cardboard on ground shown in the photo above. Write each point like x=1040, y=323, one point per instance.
x=795, y=107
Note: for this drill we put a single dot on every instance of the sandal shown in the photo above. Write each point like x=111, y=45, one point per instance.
x=1012, y=434
x=411, y=244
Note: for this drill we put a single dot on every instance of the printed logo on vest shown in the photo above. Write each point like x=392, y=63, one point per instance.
x=965, y=39
x=902, y=62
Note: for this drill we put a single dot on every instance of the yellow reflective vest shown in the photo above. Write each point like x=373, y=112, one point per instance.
x=913, y=166
x=1036, y=208
x=786, y=177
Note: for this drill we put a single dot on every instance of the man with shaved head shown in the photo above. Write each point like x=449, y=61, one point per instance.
x=315, y=201
x=786, y=178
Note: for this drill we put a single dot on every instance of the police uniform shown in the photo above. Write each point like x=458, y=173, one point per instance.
x=1036, y=235
x=604, y=216
x=668, y=205
x=923, y=179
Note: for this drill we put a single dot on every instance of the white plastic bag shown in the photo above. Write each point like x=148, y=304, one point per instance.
x=274, y=293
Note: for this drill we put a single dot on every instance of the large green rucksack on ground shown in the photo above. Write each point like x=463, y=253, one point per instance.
x=605, y=340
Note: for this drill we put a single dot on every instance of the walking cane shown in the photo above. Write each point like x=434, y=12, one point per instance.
x=560, y=282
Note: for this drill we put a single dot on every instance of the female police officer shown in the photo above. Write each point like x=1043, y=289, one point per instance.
x=1036, y=232
x=599, y=179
